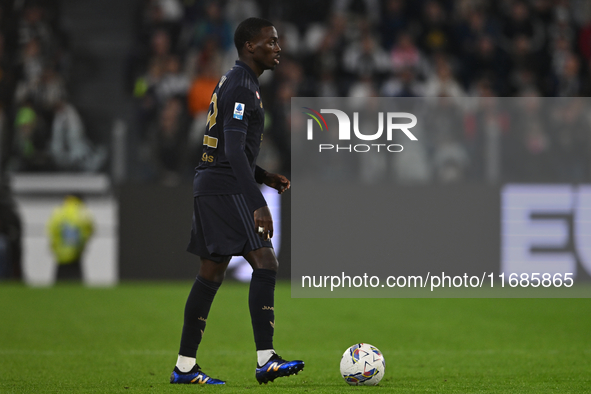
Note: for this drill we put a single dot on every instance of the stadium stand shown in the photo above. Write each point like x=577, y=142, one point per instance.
x=149, y=62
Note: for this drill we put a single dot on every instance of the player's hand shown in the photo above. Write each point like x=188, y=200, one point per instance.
x=263, y=223
x=277, y=182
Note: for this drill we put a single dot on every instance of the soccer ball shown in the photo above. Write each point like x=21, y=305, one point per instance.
x=363, y=364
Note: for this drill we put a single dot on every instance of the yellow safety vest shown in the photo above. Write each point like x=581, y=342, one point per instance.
x=69, y=228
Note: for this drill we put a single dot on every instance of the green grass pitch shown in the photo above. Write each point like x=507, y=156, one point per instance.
x=124, y=340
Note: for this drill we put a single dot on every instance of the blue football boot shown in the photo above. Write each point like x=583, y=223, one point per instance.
x=277, y=367
x=194, y=376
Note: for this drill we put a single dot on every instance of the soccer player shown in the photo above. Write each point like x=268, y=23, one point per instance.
x=231, y=216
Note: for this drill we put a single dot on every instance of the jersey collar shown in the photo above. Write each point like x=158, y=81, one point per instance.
x=245, y=66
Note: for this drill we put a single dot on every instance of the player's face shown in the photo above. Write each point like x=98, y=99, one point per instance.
x=267, y=48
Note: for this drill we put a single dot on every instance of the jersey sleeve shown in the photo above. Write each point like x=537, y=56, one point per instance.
x=238, y=105
x=234, y=146
x=238, y=108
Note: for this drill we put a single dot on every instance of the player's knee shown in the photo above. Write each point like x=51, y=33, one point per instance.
x=269, y=264
x=217, y=277
x=263, y=258
x=213, y=271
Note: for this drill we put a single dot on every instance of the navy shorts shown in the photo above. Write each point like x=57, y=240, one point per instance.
x=223, y=226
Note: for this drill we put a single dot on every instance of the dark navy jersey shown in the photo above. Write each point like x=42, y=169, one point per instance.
x=233, y=135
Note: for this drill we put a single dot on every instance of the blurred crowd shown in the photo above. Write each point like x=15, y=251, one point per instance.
x=355, y=48
x=331, y=48
x=40, y=129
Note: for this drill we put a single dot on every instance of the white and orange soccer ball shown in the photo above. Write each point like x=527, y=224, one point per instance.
x=363, y=364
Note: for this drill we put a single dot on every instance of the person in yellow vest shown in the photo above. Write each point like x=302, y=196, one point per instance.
x=70, y=227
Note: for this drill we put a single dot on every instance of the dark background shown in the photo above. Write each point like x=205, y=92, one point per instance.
x=154, y=229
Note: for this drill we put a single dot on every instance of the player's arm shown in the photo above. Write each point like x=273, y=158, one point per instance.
x=234, y=148
x=276, y=181
x=235, y=129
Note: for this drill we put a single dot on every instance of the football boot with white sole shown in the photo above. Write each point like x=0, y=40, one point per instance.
x=277, y=367
x=194, y=376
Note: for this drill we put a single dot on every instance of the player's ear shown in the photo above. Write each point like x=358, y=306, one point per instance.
x=249, y=46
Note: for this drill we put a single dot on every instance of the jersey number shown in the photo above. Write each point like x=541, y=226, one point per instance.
x=212, y=115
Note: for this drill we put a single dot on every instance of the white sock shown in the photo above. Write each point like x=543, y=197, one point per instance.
x=264, y=355
x=185, y=364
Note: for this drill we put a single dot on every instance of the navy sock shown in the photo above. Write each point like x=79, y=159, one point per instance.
x=261, y=301
x=196, y=311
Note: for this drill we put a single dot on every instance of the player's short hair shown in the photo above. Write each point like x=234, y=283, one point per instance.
x=247, y=30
